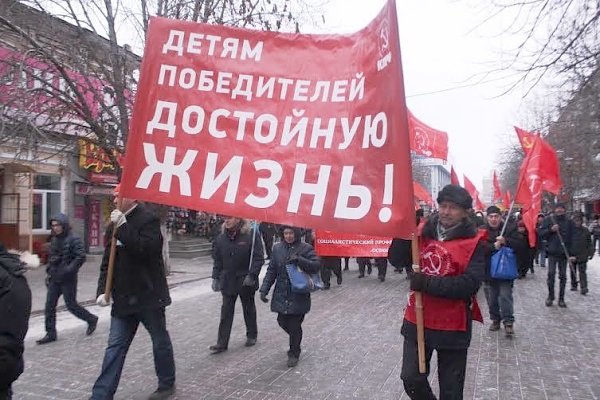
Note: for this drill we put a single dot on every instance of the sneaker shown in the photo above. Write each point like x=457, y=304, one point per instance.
x=327, y=286
x=292, y=361
x=250, y=342
x=549, y=302
x=584, y=291
x=495, y=326
x=562, y=304
x=46, y=339
x=160, y=394
x=361, y=276
x=216, y=349
x=509, y=330
x=339, y=280
x=91, y=326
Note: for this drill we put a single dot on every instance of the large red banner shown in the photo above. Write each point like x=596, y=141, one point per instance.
x=350, y=245
x=308, y=130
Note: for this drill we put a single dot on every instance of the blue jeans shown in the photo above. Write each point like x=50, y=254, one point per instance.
x=541, y=257
x=499, y=295
x=122, y=332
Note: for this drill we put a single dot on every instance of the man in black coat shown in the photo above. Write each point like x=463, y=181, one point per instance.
x=140, y=294
x=557, y=230
x=15, y=307
x=582, y=250
x=67, y=255
x=238, y=258
x=267, y=231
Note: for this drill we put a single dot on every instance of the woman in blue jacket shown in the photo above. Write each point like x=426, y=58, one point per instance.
x=291, y=307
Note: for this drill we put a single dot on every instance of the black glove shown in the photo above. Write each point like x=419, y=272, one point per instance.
x=249, y=281
x=263, y=297
x=216, y=285
x=418, y=282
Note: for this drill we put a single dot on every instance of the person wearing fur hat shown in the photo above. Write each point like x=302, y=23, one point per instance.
x=452, y=261
x=238, y=259
x=499, y=292
x=290, y=307
x=15, y=307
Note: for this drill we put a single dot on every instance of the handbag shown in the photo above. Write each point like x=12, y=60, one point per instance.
x=504, y=264
x=301, y=282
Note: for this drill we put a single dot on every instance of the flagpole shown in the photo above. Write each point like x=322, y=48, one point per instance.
x=419, y=308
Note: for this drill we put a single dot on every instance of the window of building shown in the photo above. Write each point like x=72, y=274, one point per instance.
x=47, y=200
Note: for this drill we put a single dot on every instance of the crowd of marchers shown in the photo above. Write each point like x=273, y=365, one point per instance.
x=456, y=249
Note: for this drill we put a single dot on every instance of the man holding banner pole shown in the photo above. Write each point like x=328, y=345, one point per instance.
x=140, y=294
x=452, y=267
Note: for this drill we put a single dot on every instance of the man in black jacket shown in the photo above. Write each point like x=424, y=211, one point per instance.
x=238, y=258
x=140, y=294
x=15, y=307
x=582, y=250
x=452, y=261
x=499, y=292
x=557, y=230
x=66, y=257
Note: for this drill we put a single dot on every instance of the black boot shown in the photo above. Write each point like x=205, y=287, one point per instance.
x=47, y=339
x=92, y=326
x=562, y=304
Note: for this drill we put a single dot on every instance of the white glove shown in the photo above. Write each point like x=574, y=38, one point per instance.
x=117, y=217
x=101, y=301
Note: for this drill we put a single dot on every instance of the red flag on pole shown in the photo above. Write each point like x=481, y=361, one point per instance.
x=453, y=176
x=425, y=140
x=539, y=171
x=547, y=171
x=469, y=187
x=497, y=191
x=421, y=193
x=507, y=199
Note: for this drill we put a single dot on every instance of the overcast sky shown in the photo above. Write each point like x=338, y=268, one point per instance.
x=440, y=51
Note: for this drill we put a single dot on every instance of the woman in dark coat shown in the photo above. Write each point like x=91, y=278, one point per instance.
x=291, y=307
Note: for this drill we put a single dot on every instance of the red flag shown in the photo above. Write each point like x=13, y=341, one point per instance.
x=497, y=191
x=453, y=176
x=470, y=188
x=547, y=171
x=425, y=140
x=507, y=199
x=421, y=193
x=245, y=123
x=479, y=205
x=530, y=186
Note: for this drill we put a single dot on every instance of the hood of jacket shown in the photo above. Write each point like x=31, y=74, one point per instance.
x=63, y=220
x=11, y=263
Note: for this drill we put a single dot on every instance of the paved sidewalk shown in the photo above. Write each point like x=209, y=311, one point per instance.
x=352, y=349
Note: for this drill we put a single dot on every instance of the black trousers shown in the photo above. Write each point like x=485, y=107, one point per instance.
x=362, y=263
x=292, y=325
x=581, y=268
x=268, y=239
x=327, y=269
x=452, y=366
x=228, y=310
x=560, y=264
x=381, y=264
x=68, y=289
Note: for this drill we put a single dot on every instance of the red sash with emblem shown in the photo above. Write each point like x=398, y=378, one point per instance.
x=449, y=258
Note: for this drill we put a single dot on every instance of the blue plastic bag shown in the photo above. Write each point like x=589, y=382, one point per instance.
x=302, y=282
x=504, y=264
